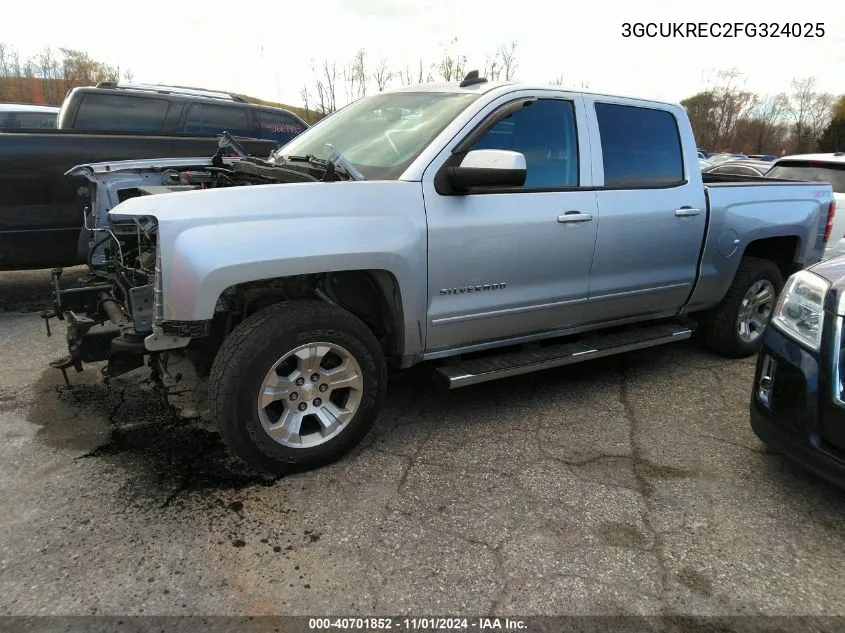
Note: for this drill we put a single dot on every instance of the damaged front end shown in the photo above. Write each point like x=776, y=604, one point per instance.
x=111, y=314
x=116, y=312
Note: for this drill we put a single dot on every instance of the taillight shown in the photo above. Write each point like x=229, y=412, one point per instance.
x=830, y=213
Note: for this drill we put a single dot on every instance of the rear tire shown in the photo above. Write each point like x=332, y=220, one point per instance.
x=270, y=412
x=748, y=301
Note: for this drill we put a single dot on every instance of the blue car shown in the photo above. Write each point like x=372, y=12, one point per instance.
x=798, y=399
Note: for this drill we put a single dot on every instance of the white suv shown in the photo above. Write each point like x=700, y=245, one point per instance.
x=821, y=168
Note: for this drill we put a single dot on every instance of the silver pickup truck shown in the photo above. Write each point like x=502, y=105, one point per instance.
x=488, y=229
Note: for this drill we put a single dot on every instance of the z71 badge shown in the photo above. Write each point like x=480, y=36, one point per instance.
x=464, y=289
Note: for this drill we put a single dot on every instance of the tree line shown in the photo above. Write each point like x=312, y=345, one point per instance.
x=725, y=116
x=45, y=78
x=335, y=84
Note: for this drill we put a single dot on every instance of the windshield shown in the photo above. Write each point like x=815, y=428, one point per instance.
x=381, y=135
x=813, y=173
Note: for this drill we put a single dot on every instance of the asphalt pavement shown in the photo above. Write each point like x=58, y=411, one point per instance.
x=629, y=485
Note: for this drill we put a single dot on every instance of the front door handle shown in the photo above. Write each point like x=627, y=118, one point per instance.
x=574, y=217
x=686, y=212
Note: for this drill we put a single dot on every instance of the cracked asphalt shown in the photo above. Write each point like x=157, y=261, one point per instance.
x=630, y=485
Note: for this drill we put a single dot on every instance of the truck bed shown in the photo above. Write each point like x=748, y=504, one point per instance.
x=741, y=210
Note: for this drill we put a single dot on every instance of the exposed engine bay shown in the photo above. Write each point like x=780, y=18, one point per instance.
x=115, y=314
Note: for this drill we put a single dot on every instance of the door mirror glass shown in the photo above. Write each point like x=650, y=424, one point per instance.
x=488, y=168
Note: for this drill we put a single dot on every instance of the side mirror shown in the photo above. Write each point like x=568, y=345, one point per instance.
x=488, y=168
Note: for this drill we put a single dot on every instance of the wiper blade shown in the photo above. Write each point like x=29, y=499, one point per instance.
x=227, y=142
x=339, y=160
x=335, y=161
x=308, y=158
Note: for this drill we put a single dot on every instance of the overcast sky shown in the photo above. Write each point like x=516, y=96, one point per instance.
x=265, y=47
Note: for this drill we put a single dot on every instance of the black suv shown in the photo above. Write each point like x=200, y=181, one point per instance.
x=151, y=109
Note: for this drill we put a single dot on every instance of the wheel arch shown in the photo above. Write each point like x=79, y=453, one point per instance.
x=372, y=295
x=784, y=251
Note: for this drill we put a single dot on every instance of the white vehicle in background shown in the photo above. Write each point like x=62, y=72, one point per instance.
x=820, y=168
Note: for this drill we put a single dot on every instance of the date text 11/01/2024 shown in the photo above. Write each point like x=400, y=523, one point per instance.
x=417, y=624
x=723, y=29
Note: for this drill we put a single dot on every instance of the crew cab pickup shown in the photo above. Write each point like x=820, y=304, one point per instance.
x=486, y=229
x=40, y=214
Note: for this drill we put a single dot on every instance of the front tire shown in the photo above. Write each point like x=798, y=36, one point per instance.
x=296, y=386
x=734, y=328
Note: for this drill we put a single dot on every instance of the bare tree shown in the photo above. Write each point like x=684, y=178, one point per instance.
x=801, y=103
x=325, y=87
x=45, y=77
x=382, y=75
x=716, y=113
x=557, y=81
x=359, y=68
x=405, y=77
x=767, y=124
x=4, y=63
x=350, y=82
x=322, y=98
x=423, y=75
x=452, y=67
x=305, y=95
x=492, y=68
x=820, y=115
x=507, y=58
x=330, y=77
x=732, y=105
x=128, y=76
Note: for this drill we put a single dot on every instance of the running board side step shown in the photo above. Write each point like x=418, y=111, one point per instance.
x=472, y=372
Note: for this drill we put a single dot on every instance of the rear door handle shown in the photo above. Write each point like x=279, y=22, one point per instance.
x=574, y=217
x=686, y=212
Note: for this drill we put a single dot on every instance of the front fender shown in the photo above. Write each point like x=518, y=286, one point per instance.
x=375, y=226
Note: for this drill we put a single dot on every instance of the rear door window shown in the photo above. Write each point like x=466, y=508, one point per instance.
x=120, y=113
x=641, y=147
x=814, y=172
x=27, y=120
x=211, y=119
x=37, y=120
x=278, y=126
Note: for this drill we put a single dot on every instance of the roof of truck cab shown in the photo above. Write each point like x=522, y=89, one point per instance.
x=479, y=88
x=489, y=86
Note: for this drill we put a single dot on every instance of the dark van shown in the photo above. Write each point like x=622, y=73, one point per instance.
x=110, y=107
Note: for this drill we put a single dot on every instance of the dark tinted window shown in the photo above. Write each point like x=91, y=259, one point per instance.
x=120, y=113
x=640, y=146
x=278, y=126
x=818, y=172
x=544, y=132
x=37, y=120
x=206, y=118
x=27, y=120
